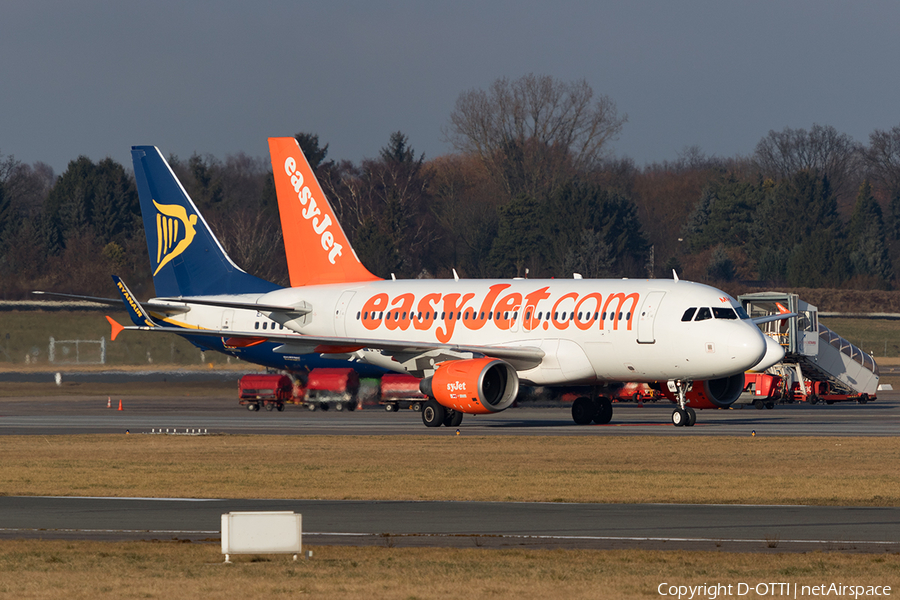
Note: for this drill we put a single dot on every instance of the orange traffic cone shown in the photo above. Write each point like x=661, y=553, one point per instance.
x=108, y=402
x=120, y=404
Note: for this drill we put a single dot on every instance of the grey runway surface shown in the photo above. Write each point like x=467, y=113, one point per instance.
x=472, y=524
x=218, y=414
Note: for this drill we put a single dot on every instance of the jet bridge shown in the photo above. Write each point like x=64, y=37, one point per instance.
x=824, y=364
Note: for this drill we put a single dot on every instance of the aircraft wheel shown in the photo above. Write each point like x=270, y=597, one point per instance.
x=433, y=413
x=604, y=411
x=679, y=417
x=453, y=418
x=691, y=416
x=583, y=410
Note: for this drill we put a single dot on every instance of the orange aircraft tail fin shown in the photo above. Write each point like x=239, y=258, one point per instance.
x=316, y=246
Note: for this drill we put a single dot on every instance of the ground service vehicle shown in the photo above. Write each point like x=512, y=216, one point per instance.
x=332, y=388
x=762, y=390
x=271, y=391
x=637, y=392
x=401, y=391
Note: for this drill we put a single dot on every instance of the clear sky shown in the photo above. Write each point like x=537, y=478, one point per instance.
x=95, y=77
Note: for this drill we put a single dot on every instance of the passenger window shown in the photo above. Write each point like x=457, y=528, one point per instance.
x=703, y=313
x=722, y=312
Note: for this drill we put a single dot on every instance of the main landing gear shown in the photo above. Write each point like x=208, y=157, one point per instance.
x=683, y=416
x=597, y=409
x=435, y=414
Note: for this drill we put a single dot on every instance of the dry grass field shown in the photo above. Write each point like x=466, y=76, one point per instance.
x=760, y=470
x=94, y=570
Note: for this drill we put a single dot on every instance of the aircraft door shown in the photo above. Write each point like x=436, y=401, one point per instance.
x=646, y=317
x=515, y=318
x=340, y=314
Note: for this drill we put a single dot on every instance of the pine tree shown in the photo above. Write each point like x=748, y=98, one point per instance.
x=867, y=241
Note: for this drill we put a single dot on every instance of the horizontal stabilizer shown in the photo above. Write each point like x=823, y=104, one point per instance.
x=155, y=307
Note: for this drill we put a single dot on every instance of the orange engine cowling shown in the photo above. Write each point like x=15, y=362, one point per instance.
x=474, y=386
x=713, y=393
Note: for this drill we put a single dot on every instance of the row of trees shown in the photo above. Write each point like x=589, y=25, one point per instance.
x=531, y=189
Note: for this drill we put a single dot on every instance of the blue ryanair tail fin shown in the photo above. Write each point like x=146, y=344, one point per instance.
x=186, y=257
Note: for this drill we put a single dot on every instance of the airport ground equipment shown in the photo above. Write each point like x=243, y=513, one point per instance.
x=332, y=388
x=819, y=365
x=269, y=391
x=400, y=391
x=762, y=390
x=636, y=392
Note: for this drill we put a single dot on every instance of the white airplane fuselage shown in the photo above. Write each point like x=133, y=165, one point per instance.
x=588, y=330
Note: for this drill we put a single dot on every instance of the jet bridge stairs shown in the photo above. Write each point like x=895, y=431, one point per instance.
x=819, y=364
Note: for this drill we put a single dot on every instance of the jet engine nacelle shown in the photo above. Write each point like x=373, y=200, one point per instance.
x=474, y=386
x=713, y=393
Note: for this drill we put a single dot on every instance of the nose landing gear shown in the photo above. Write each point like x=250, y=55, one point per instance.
x=683, y=416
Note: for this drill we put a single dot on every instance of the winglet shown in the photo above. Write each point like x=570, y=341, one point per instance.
x=317, y=249
x=138, y=315
x=116, y=328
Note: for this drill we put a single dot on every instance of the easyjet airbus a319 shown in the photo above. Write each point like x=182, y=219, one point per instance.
x=471, y=342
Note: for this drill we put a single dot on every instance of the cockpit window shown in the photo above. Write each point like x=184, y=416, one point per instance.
x=703, y=313
x=741, y=313
x=689, y=314
x=722, y=312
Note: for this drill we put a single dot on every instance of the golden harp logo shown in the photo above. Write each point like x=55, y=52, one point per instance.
x=174, y=232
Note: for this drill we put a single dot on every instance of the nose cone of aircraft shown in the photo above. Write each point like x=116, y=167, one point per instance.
x=774, y=355
x=747, y=346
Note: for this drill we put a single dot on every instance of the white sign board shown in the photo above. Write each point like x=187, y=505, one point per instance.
x=261, y=533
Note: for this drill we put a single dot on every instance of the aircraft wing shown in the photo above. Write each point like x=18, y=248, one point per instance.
x=242, y=305
x=775, y=317
x=339, y=345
